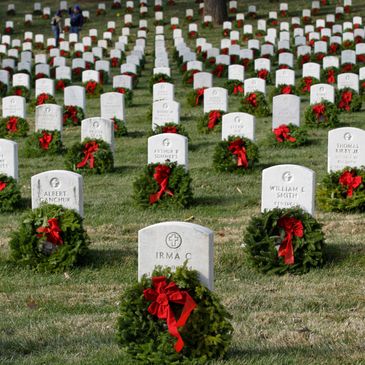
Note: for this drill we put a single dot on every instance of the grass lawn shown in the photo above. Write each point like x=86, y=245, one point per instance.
x=69, y=318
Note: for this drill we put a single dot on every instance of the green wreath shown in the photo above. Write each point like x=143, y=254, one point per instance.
x=60, y=84
x=271, y=229
x=325, y=116
x=235, y=87
x=77, y=73
x=228, y=155
x=304, y=84
x=348, y=100
x=159, y=78
x=104, y=77
x=206, y=334
x=50, y=238
x=211, y=121
x=120, y=128
x=99, y=160
x=13, y=127
x=72, y=115
x=41, y=99
x=179, y=184
x=195, y=97
x=10, y=197
x=188, y=76
x=20, y=91
x=282, y=90
x=93, y=89
x=343, y=191
x=255, y=103
x=44, y=143
x=128, y=94
x=3, y=89
x=265, y=75
x=329, y=75
x=349, y=67
x=288, y=135
x=169, y=128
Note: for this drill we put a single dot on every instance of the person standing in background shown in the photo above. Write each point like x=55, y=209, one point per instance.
x=56, y=23
x=77, y=19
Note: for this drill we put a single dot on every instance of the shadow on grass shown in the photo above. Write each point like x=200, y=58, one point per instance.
x=126, y=169
x=335, y=255
x=135, y=134
x=109, y=257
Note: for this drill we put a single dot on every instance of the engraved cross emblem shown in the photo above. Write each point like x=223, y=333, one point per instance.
x=173, y=240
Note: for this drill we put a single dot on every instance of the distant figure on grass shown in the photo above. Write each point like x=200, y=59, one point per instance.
x=56, y=23
x=77, y=20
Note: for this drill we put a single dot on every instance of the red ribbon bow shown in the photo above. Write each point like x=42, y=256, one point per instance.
x=252, y=99
x=169, y=129
x=199, y=94
x=345, y=102
x=162, y=295
x=214, y=117
x=283, y=133
x=308, y=81
x=319, y=110
x=42, y=99
x=331, y=76
x=293, y=228
x=11, y=125
x=262, y=74
x=350, y=181
x=286, y=89
x=161, y=176
x=52, y=232
x=45, y=140
x=237, y=148
x=238, y=89
x=89, y=150
x=218, y=71
x=90, y=87
x=121, y=90
x=2, y=185
x=60, y=85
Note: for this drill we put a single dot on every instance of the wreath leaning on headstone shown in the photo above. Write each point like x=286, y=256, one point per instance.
x=13, y=127
x=348, y=100
x=9, y=193
x=323, y=114
x=343, y=191
x=284, y=240
x=49, y=238
x=72, y=115
x=158, y=78
x=41, y=99
x=288, y=135
x=211, y=121
x=190, y=326
x=236, y=154
x=166, y=184
x=92, y=156
x=255, y=103
x=43, y=143
x=169, y=128
x=20, y=91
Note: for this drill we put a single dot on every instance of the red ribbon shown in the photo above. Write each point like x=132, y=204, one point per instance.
x=11, y=125
x=218, y=71
x=89, y=150
x=42, y=98
x=293, y=228
x=237, y=89
x=161, y=176
x=333, y=48
x=286, y=89
x=252, y=99
x=282, y=133
x=361, y=58
x=52, y=232
x=162, y=295
x=2, y=185
x=214, y=117
x=331, y=76
x=262, y=74
x=308, y=81
x=199, y=94
x=350, y=181
x=345, y=102
x=45, y=140
x=169, y=129
x=90, y=87
x=319, y=110
x=121, y=90
x=237, y=148
x=60, y=85
x=347, y=67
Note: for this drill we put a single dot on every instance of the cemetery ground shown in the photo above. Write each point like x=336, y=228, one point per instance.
x=69, y=318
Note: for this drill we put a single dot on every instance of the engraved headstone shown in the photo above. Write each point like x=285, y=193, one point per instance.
x=9, y=158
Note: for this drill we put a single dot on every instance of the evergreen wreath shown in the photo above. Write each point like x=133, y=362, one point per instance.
x=265, y=75
x=41, y=99
x=196, y=97
x=50, y=238
x=284, y=240
x=348, y=100
x=169, y=128
x=10, y=197
x=288, y=135
x=235, y=154
x=343, y=191
x=44, y=143
x=205, y=335
x=93, y=89
x=349, y=67
x=304, y=84
x=60, y=84
x=104, y=77
x=302, y=59
x=324, y=114
x=128, y=94
x=166, y=184
x=220, y=70
x=255, y=103
x=188, y=76
x=72, y=115
x=211, y=121
x=157, y=78
x=92, y=156
x=20, y=91
x=235, y=87
x=283, y=89
x=13, y=127
x=3, y=89
x=77, y=73
x=120, y=128
x=329, y=75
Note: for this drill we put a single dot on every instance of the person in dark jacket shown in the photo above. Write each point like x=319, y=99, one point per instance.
x=56, y=23
x=77, y=19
